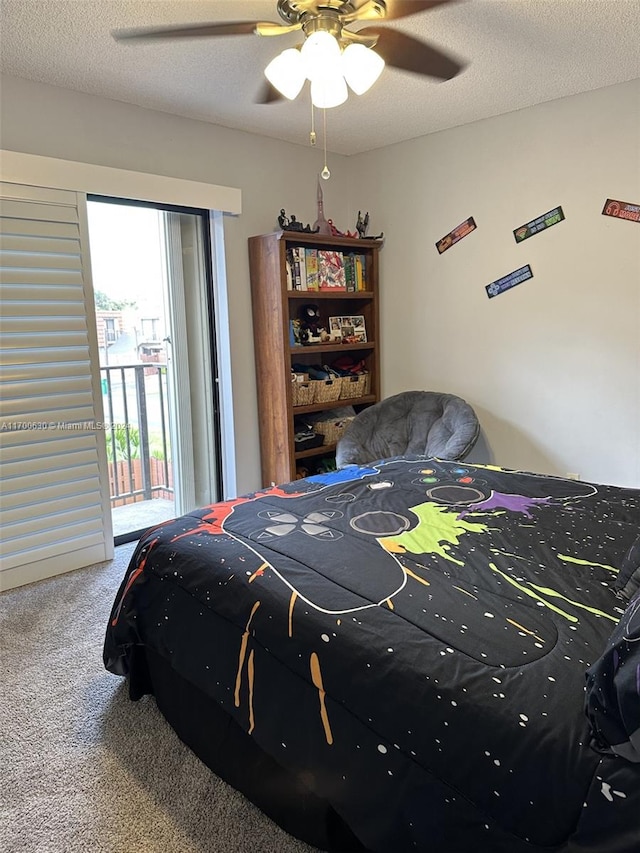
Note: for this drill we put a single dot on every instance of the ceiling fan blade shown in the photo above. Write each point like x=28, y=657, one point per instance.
x=409, y=54
x=268, y=94
x=402, y=8
x=228, y=28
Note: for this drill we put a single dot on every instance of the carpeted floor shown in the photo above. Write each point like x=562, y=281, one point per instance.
x=85, y=770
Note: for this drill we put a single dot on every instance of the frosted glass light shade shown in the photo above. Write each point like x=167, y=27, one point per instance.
x=320, y=55
x=286, y=73
x=329, y=91
x=361, y=67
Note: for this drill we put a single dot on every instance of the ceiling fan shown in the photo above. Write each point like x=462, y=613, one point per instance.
x=332, y=55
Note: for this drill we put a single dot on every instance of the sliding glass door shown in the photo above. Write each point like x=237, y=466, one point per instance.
x=155, y=331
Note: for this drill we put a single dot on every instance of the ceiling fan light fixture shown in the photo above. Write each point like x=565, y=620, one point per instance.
x=286, y=73
x=361, y=67
x=329, y=90
x=321, y=55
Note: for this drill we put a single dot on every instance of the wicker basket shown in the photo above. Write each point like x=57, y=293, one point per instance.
x=303, y=393
x=354, y=386
x=327, y=390
x=332, y=430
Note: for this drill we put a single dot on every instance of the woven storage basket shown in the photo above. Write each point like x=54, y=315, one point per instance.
x=354, y=386
x=327, y=390
x=332, y=430
x=303, y=393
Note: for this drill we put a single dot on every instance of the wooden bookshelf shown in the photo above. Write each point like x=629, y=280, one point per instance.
x=274, y=306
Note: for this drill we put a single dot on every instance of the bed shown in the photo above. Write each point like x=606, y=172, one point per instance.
x=415, y=655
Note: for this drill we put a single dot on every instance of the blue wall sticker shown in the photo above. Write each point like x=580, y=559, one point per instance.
x=508, y=281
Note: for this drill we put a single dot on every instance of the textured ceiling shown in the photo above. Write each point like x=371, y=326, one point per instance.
x=520, y=53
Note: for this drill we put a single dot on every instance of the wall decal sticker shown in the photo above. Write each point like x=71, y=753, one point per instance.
x=508, y=281
x=458, y=233
x=545, y=221
x=621, y=210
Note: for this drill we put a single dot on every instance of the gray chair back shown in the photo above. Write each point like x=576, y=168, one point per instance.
x=424, y=422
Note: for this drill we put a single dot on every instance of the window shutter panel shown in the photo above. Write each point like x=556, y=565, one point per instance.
x=54, y=487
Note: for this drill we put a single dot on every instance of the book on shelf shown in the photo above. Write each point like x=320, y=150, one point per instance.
x=294, y=265
x=289, y=269
x=360, y=268
x=331, y=270
x=301, y=266
x=350, y=272
x=311, y=266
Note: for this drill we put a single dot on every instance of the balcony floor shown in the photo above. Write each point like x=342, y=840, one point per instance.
x=141, y=515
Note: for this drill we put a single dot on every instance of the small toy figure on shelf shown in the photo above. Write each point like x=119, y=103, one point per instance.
x=337, y=233
x=283, y=219
x=287, y=223
x=310, y=319
x=295, y=333
x=362, y=225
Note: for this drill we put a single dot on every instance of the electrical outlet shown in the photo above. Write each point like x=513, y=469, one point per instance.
x=571, y=475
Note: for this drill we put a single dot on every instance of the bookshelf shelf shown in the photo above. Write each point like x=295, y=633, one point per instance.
x=325, y=450
x=314, y=295
x=313, y=348
x=325, y=407
x=274, y=307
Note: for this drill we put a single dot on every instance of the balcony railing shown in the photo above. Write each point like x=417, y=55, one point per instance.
x=138, y=445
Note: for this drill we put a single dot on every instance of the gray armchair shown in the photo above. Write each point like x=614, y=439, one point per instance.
x=424, y=422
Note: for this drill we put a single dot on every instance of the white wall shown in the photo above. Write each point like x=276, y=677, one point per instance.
x=552, y=366
x=53, y=122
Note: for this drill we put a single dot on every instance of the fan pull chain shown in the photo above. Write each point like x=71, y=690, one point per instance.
x=325, y=174
x=312, y=134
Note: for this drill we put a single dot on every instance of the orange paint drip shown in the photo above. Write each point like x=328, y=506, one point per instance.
x=316, y=676
x=259, y=572
x=251, y=673
x=292, y=601
x=392, y=547
x=526, y=630
x=417, y=577
x=243, y=651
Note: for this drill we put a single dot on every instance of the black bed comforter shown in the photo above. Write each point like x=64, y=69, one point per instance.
x=412, y=639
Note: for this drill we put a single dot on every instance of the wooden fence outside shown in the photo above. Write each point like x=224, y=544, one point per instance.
x=128, y=477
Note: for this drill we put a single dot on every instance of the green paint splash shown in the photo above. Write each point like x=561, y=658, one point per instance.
x=437, y=531
x=553, y=594
x=587, y=563
x=532, y=594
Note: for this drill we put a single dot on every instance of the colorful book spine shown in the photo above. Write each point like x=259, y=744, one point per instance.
x=359, y=270
x=350, y=272
x=331, y=270
x=302, y=265
x=311, y=264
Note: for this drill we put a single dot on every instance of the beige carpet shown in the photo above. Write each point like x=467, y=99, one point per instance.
x=83, y=769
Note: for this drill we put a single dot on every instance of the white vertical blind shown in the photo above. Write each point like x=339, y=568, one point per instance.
x=178, y=355
x=54, y=490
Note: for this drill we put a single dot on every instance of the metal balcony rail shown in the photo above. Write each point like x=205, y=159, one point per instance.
x=138, y=446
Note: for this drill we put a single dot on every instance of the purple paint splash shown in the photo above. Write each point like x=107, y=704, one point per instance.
x=515, y=503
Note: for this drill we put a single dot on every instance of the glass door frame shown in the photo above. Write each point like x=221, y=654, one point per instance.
x=209, y=309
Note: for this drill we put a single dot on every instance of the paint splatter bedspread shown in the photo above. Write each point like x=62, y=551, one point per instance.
x=412, y=637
